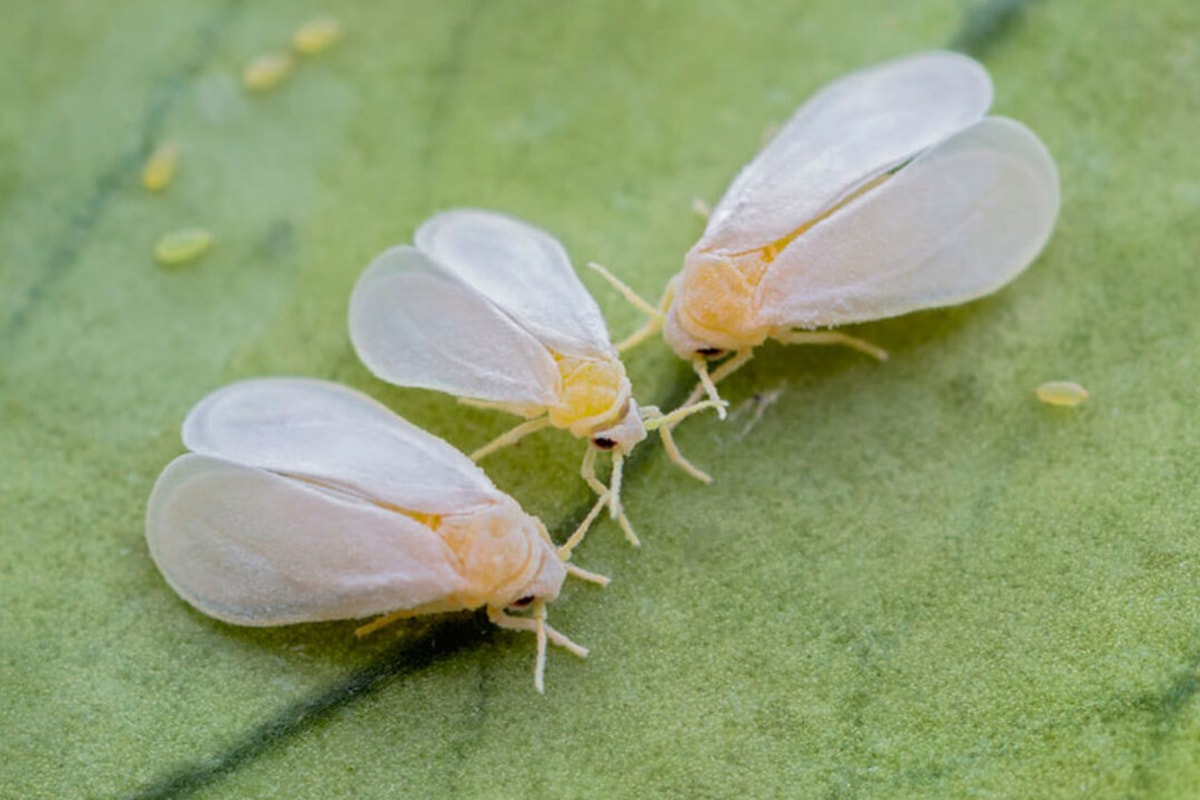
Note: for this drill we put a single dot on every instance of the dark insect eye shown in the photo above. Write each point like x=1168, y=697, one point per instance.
x=524, y=601
x=709, y=352
x=604, y=443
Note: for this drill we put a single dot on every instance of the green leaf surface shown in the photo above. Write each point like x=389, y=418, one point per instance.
x=909, y=579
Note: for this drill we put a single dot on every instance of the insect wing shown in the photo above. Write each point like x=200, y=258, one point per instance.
x=853, y=130
x=335, y=436
x=254, y=548
x=957, y=223
x=414, y=324
x=524, y=271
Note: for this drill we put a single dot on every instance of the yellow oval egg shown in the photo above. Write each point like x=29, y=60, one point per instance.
x=1061, y=393
x=266, y=71
x=160, y=167
x=316, y=36
x=182, y=246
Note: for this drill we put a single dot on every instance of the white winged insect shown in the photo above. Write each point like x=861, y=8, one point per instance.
x=304, y=501
x=487, y=308
x=887, y=192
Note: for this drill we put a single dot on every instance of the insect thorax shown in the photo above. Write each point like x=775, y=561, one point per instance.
x=594, y=394
x=715, y=302
x=501, y=554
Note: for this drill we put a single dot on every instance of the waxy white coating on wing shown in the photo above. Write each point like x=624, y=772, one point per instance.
x=957, y=223
x=308, y=501
x=888, y=192
x=251, y=547
x=413, y=323
x=853, y=130
x=338, y=437
x=524, y=271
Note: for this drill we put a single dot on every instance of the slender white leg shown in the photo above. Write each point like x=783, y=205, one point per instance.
x=381, y=622
x=663, y=423
x=640, y=335
x=656, y=315
x=672, y=450
x=627, y=529
x=512, y=437
x=536, y=625
x=614, y=485
x=587, y=575
x=700, y=365
x=587, y=471
x=727, y=368
x=833, y=337
x=629, y=294
x=656, y=419
x=575, y=538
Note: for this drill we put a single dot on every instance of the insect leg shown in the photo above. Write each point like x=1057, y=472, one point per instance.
x=615, y=501
x=672, y=450
x=656, y=419
x=382, y=622
x=575, y=538
x=629, y=294
x=587, y=575
x=656, y=315
x=614, y=484
x=536, y=625
x=833, y=337
x=663, y=423
x=505, y=620
x=511, y=437
x=727, y=368
x=588, y=471
x=628, y=530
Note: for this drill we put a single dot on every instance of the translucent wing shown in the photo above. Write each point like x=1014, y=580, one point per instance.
x=413, y=324
x=957, y=223
x=337, y=437
x=524, y=271
x=250, y=547
x=853, y=130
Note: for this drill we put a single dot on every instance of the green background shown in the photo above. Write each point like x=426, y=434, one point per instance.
x=909, y=579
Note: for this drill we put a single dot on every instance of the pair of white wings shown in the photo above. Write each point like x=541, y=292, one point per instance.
x=475, y=309
x=971, y=201
x=279, y=515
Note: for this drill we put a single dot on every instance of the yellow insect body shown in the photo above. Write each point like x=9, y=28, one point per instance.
x=714, y=301
x=488, y=308
x=594, y=395
x=304, y=501
x=889, y=191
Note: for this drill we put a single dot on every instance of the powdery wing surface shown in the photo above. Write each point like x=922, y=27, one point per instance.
x=524, y=271
x=959, y=222
x=855, y=129
x=336, y=436
x=251, y=547
x=414, y=324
